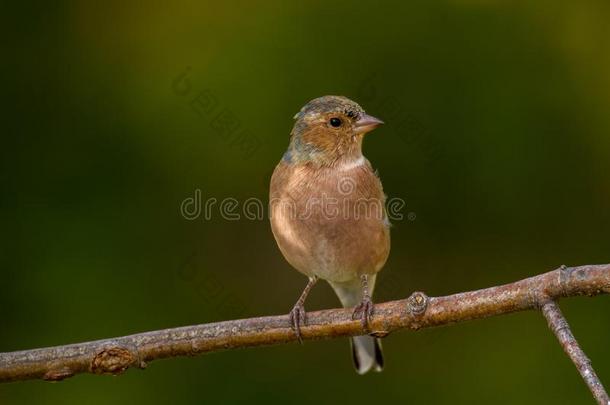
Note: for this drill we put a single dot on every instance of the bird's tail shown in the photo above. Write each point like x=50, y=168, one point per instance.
x=366, y=350
x=367, y=354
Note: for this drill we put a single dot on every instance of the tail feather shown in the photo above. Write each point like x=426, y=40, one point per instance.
x=366, y=350
x=367, y=354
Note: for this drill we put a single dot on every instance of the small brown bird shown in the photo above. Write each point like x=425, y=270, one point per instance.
x=328, y=212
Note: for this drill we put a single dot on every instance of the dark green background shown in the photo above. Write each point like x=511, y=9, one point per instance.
x=497, y=137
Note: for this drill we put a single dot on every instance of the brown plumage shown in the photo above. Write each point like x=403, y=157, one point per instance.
x=328, y=211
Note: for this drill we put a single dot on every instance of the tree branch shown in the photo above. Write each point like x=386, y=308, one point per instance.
x=113, y=356
x=559, y=325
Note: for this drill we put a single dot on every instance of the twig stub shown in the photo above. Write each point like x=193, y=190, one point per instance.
x=112, y=360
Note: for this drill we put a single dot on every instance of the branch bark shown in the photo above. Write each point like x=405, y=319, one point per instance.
x=113, y=356
x=559, y=325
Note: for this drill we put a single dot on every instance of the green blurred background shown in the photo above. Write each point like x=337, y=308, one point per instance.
x=496, y=137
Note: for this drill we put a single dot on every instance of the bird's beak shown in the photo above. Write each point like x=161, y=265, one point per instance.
x=367, y=123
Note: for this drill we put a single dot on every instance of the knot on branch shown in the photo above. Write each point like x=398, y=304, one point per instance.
x=58, y=374
x=417, y=303
x=113, y=360
x=564, y=275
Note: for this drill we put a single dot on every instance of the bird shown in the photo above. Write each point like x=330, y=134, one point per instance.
x=327, y=213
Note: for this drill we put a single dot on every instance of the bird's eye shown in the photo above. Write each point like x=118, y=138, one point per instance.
x=335, y=122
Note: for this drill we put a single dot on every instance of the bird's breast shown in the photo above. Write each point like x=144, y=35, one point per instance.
x=330, y=222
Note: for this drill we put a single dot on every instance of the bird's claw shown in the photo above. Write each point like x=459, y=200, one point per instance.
x=297, y=316
x=364, y=312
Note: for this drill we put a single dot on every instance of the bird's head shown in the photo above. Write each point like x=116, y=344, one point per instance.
x=328, y=129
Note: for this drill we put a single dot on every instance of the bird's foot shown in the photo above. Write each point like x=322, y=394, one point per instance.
x=364, y=312
x=297, y=317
